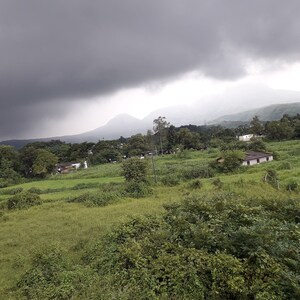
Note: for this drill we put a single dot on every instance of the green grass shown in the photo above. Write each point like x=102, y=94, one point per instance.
x=73, y=224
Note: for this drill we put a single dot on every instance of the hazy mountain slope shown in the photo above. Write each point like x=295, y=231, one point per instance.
x=233, y=100
x=269, y=113
x=122, y=125
x=244, y=101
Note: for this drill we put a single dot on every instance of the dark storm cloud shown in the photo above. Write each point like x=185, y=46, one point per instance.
x=54, y=50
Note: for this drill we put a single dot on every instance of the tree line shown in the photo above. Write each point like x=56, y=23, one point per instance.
x=38, y=159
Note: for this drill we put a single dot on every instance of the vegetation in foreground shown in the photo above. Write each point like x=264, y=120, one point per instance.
x=199, y=234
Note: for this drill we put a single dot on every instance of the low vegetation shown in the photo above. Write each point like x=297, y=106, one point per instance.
x=172, y=226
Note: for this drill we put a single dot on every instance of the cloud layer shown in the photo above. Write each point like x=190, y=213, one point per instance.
x=56, y=51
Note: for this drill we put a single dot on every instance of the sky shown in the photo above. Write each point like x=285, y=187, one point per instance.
x=70, y=66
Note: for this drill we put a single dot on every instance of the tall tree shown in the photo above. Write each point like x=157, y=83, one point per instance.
x=256, y=126
x=171, y=137
x=159, y=127
x=44, y=163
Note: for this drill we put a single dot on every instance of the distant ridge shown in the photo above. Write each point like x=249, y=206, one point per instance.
x=121, y=125
x=126, y=125
x=268, y=113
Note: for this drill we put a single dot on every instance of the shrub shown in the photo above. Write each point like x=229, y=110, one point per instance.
x=13, y=191
x=285, y=165
x=271, y=177
x=96, y=199
x=223, y=248
x=89, y=185
x=198, y=172
x=35, y=190
x=195, y=184
x=217, y=183
x=51, y=276
x=292, y=186
x=170, y=180
x=257, y=145
x=137, y=189
x=135, y=169
x=23, y=200
x=183, y=154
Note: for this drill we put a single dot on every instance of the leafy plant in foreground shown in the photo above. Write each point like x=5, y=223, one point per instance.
x=218, y=248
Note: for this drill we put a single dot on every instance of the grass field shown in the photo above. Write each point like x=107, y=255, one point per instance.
x=72, y=225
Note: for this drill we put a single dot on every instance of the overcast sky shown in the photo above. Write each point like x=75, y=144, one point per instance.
x=69, y=66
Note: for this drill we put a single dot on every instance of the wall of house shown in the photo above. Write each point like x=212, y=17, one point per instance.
x=245, y=138
x=254, y=161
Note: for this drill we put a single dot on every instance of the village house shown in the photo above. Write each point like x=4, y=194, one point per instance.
x=64, y=168
x=253, y=158
x=248, y=137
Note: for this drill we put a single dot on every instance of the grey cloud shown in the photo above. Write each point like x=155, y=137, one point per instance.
x=53, y=50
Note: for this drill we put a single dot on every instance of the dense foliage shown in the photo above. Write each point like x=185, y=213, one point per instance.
x=202, y=248
x=219, y=248
x=38, y=159
x=23, y=200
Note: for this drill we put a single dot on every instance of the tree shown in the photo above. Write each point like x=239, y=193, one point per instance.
x=229, y=161
x=276, y=130
x=9, y=163
x=135, y=170
x=171, y=137
x=44, y=163
x=159, y=126
x=27, y=156
x=188, y=139
x=256, y=126
x=257, y=145
x=136, y=145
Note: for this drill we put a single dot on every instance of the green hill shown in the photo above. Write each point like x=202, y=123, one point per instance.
x=268, y=113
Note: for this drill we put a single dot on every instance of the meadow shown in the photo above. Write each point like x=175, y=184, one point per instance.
x=72, y=225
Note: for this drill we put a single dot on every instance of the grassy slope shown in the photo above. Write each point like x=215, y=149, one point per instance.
x=71, y=224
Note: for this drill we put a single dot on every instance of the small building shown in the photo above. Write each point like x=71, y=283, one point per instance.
x=246, y=137
x=249, y=137
x=253, y=158
x=69, y=167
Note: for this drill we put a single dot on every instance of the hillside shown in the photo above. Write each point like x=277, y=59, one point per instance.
x=126, y=125
x=60, y=246
x=268, y=113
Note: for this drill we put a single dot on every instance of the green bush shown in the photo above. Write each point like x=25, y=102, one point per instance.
x=271, y=177
x=285, y=165
x=198, y=172
x=85, y=185
x=135, y=169
x=35, y=190
x=96, y=199
x=195, y=184
x=292, y=186
x=12, y=191
x=217, y=183
x=52, y=276
x=137, y=189
x=23, y=200
x=222, y=247
x=170, y=180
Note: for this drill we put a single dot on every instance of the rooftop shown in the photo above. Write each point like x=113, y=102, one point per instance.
x=256, y=155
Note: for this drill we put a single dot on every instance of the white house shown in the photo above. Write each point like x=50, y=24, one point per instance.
x=253, y=158
x=246, y=137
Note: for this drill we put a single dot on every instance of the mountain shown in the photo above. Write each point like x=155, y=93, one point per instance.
x=268, y=113
x=122, y=125
x=235, y=99
x=245, y=100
